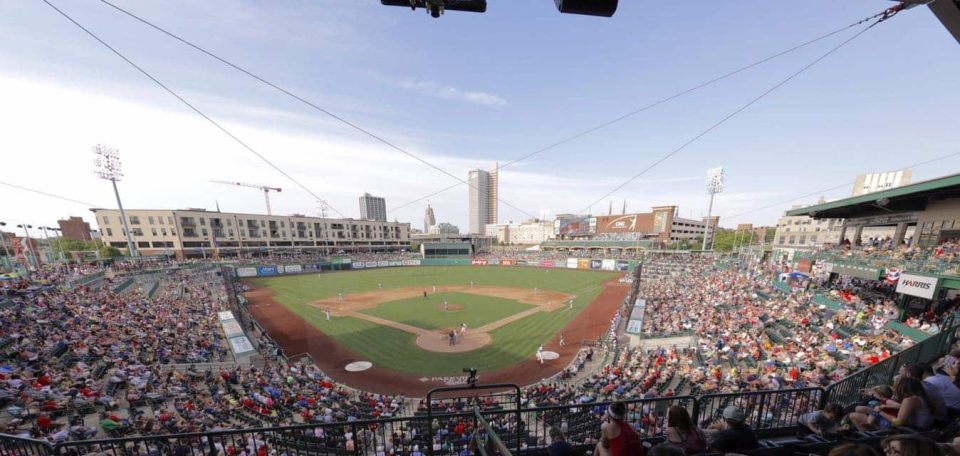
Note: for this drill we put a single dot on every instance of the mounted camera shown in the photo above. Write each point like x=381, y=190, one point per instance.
x=472, y=375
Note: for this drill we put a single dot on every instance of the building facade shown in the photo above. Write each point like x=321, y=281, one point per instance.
x=482, y=200
x=444, y=228
x=875, y=182
x=196, y=232
x=373, y=208
x=428, y=219
x=75, y=228
x=529, y=233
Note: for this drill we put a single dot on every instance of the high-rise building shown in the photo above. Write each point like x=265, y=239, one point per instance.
x=428, y=219
x=869, y=183
x=482, y=200
x=75, y=228
x=373, y=208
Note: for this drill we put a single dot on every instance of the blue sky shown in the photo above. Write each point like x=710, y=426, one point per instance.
x=465, y=91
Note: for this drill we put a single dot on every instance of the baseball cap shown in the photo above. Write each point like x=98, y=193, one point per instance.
x=732, y=413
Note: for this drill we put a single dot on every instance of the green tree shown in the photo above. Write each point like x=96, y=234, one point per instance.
x=724, y=240
x=72, y=245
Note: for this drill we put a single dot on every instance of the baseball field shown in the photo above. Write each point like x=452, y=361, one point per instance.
x=400, y=319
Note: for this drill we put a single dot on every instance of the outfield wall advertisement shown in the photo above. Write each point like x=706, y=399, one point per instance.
x=594, y=264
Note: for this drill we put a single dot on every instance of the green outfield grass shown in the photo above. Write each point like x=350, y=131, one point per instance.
x=474, y=310
x=394, y=349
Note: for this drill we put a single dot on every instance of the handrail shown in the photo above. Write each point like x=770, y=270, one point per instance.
x=504, y=451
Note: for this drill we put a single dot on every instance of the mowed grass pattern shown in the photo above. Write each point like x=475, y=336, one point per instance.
x=474, y=310
x=394, y=349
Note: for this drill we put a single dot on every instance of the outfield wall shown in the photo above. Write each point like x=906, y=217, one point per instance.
x=347, y=264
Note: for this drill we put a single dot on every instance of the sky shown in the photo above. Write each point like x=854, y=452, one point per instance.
x=467, y=91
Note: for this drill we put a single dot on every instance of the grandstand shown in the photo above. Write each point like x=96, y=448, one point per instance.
x=137, y=363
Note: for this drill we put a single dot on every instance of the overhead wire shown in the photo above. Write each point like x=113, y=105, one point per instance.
x=287, y=92
x=51, y=195
x=656, y=103
x=880, y=17
x=191, y=106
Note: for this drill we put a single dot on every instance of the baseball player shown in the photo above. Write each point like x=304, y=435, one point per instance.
x=380, y=286
x=471, y=284
x=570, y=304
x=327, y=311
x=536, y=290
x=340, y=297
x=425, y=295
x=434, y=288
x=463, y=330
x=446, y=306
x=562, y=342
x=540, y=353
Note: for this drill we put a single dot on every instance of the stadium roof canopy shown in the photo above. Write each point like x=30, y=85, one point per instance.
x=909, y=198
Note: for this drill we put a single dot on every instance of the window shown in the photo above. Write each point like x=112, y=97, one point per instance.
x=106, y=221
x=159, y=220
x=153, y=231
x=134, y=220
x=230, y=231
x=109, y=231
x=137, y=232
x=143, y=245
x=203, y=221
x=229, y=222
x=169, y=220
x=203, y=231
x=163, y=231
x=173, y=232
x=793, y=240
x=803, y=239
x=813, y=239
x=150, y=220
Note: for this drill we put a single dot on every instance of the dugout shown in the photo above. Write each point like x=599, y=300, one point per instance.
x=449, y=250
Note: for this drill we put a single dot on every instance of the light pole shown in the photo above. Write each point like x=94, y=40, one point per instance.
x=714, y=186
x=108, y=168
x=3, y=242
x=32, y=254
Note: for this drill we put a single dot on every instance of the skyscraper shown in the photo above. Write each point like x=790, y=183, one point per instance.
x=482, y=200
x=428, y=219
x=373, y=208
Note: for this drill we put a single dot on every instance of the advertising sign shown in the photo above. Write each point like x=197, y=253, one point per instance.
x=225, y=315
x=623, y=265
x=371, y=264
x=572, y=225
x=827, y=267
x=395, y=263
x=266, y=270
x=546, y=263
x=609, y=265
x=583, y=263
x=507, y=262
x=383, y=263
x=246, y=272
x=619, y=224
x=917, y=285
x=411, y=262
x=862, y=272
x=311, y=267
x=241, y=345
x=340, y=260
x=292, y=268
x=359, y=265
x=572, y=263
x=804, y=266
x=634, y=326
x=493, y=262
x=478, y=262
x=596, y=264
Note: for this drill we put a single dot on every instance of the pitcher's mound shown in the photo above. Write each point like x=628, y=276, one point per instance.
x=439, y=341
x=358, y=366
x=450, y=308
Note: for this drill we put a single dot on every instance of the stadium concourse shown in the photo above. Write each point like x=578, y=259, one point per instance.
x=136, y=350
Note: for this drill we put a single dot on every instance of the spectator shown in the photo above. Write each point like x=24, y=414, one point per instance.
x=913, y=409
x=559, y=445
x=682, y=433
x=821, y=422
x=617, y=438
x=943, y=386
x=666, y=449
x=734, y=434
x=910, y=445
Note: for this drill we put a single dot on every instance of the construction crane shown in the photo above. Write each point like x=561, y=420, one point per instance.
x=266, y=190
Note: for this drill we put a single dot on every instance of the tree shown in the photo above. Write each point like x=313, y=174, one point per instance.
x=724, y=240
x=73, y=245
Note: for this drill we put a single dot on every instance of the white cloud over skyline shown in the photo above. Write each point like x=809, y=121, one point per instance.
x=449, y=92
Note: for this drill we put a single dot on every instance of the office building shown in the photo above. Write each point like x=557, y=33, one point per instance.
x=428, y=219
x=74, y=228
x=482, y=200
x=373, y=208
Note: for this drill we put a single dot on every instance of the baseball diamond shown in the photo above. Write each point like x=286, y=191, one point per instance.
x=488, y=318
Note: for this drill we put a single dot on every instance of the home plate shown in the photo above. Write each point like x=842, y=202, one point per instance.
x=548, y=355
x=358, y=366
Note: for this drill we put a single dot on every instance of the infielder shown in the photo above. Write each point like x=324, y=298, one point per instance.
x=562, y=342
x=540, y=353
x=340, y=297
x=434, y=288
x=463, y=329
x=570, y=304
x=446, y=306
x=380, y=286
x=328, y=313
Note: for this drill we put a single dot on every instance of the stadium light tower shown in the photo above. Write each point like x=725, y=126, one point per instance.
x=714, y=186
x=108, y=166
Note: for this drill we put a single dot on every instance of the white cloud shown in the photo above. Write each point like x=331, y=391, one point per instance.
x=450, y=92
